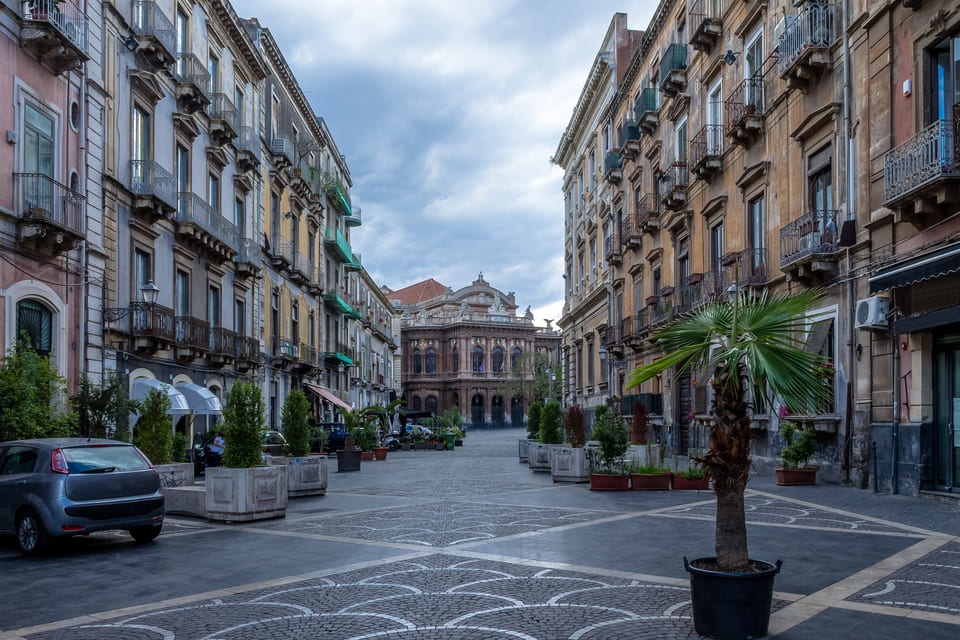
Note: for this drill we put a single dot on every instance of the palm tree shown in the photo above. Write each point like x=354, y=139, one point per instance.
x=752, y=342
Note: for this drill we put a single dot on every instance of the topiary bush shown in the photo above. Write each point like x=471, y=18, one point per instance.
x=295, y=423
x=613, y=436
x=575, y=426
x=550, y=423
x=533, y=420
x=153, y=433
x=244, y=427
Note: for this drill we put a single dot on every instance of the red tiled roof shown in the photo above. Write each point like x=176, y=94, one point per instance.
x=417, y=293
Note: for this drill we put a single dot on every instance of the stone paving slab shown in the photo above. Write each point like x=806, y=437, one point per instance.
x=931, y=583
x=436, y=596
x=842, y=624
x=447, y=489
x=439, y=524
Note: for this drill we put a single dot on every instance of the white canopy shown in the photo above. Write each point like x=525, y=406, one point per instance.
x=201, y=400
x=178, y=403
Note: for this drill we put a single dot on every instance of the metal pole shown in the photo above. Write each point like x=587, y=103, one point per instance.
x=876, y=480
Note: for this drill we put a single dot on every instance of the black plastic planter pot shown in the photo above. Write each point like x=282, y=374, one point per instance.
x=348, y=460
x=731, y=606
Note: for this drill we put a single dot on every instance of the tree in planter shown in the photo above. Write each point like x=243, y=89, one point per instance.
x=153, y=433
x=533, y=421
x=550, y=423
x=103, y=410
x=244, y=426
x=749, y=341
x=801, y=444
x=575, y=426
x=30, y=395
x=178, y=448
x=613, y=436
x=639, y=424
x=295, y=423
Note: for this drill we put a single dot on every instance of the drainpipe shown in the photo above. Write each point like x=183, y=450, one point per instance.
x=851, y=217
x=895, y=431
x=82, y=181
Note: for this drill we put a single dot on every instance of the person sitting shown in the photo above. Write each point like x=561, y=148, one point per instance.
x=216, y=451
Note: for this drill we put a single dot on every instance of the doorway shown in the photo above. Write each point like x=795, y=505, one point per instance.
x=946, y=380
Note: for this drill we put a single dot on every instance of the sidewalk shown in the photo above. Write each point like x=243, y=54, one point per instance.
x=471, y=544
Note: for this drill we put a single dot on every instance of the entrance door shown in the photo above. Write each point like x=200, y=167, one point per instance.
x=947, y=400
x=684, y=406
x=476, y=410
x=496, y=411
x=516, y=412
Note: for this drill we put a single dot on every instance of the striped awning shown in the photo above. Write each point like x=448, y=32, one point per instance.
x=923, y=267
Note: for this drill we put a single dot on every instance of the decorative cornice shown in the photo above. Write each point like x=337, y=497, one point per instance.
x=248, y=50
x=587, y=95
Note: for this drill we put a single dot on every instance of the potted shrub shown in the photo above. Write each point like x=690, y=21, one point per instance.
x=242, y=488
x=540, y=452
x=607, y=473
x=569, y=464
x=306, y=474
x=650, y=477
x=533, y=430
x=749, y=341
x=801, y=444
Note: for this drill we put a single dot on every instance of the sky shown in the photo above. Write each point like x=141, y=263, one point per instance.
x=448, y=114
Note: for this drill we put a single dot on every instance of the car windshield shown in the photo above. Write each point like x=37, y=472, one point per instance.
x=102, y=459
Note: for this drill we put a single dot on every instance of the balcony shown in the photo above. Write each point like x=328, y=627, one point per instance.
x=202, y=226
x=337, y=303
x=614, y=342
x=648, y=213
x=632, y=232
x=706, y=151
x=51, y=215
x=280, y=252
x=646, y=109
x=56, y=33
x=315, y=285
x=804, y=46
x=922, y=175
x=299, y=184
x=224, y=119
x=337, y=243
x=662, y=307
x=353, y=220
x=154, y=189
x=612, y=251
x=706, y=18
x=673, y=69
x=281, y=152
x=310, y=357
x=285, y=350
x=156, y=35
x=746, y=268
x=699, y=289
x=247, y=353
x=193, y=83
x=643, y=320
x=337, y=193
x=673, y=185
x=192, y=337
x=743, y=112
x=613, y=167
x=808, y=245
x=652, y=401
x=249, y=261
x=355, y=263
x=630, y=138
x=248, y=150
x=223, y=345
x=628, y=332
x=338, y=353
x=301, y=269
x=151, y=327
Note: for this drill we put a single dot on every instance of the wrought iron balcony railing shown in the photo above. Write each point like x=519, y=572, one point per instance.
x=151, y=321
x=193, y=209
x=148, y=178
x=627, y=331
x=708, y=143
x=814, y=27
x=149, y=20
x=632, y=231
x=929, y=156
x=250, y=252
x=747, y=267
x=247, y=349
x=648, y=209
x=42, y=198
x=302, y=264
x=647, y=101
x=644, y=319
x=701, y=10
x=192, y=332
x=746, y=99
x=812, y=234
x=611, y=248
x=629, y=132
x=66, y=17
x=249, y=141
x=220, y=108
x=223, y=342
x=191, y=70
x=286, y=348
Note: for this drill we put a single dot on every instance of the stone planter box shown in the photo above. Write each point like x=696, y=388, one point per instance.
x=179, y=474
x=795, y=477
x=685, y=484
x=241, y=495
x=568, y=464
x=307, y=476
x=366, y=456
x=524, y=449
x=424, y=446
x=651, y=481
x=539, y=456
x=348, y=461
x=188, y=500
x=641, y=454
x=609, y=482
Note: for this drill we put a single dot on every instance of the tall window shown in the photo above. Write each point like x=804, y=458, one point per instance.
x=431, y=360
x=593, y=170
x=516, y=359
x=821, y=190
x=213, y=67
x=478, y=360
x=38, y=142
x=497, y=360
x=275, y=116
x=240, y=316
x=141, y=134
x=757, y=225
x=753, y=68
x=417, y=361
x=455, y=356
x=683, y=261
x=943, y=79
x=680, y=153
x=274, y=220
x=213, y=306
x=35, y=326
x=311, y=329
x=213, y=191
x=238, y=103
x=295, y=321
x=716, y=247
x=142, y=272
x=239, y=214
x=430, y=404
x=715, y=119
x=183, y=169
x=590, y=364
x=182, y=292
x=183, y=38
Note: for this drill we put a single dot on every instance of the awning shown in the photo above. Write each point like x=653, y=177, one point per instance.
x=202, y=401
x=328, y=396
x=178, y=403
x=924, y=267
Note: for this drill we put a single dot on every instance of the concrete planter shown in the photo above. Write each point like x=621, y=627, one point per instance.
x=651, y=481
x=241, y=495
x=642, y=454
x=609, y=482
x=524, y=449
x=569, y=464
x=539, y=456
x=793, y=477
x=307, y=476
x=175, y=475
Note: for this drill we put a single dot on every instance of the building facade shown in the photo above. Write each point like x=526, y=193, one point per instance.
x=469, y=350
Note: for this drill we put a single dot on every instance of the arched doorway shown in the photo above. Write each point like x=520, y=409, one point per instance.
x=456, y=400
x=430, y=404
x=476, y=410
x=416, y=403
x=496, y=411
x=516, y=411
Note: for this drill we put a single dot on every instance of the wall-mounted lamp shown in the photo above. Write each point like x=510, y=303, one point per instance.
x=150, y=292
x=288, y=215
x=730, y=57
x=859, y=350
x=131, y=42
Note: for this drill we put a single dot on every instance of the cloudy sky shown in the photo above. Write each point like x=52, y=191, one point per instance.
x=448, y=113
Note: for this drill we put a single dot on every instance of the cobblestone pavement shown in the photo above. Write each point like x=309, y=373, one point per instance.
x=469, y=545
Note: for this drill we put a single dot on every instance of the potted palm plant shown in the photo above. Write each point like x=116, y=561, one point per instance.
x=752, y=342
x=306, y=474
x=800, y=445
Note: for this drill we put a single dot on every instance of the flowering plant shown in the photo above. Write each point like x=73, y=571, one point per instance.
x=783, y=411
x=826, y=369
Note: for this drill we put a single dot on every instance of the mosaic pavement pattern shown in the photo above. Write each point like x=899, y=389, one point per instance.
x=932, y=583
x=439, y=524
x=763, y=509
x=435, y=597
x=452, y=488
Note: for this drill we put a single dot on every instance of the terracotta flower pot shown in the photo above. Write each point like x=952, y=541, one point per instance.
x=609, y=482
x=685, y=484
x=380, y=453
x=792, y=477
x=366, y=456
x=650, y=481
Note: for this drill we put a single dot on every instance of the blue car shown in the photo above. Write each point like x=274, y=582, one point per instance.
x=52, y=488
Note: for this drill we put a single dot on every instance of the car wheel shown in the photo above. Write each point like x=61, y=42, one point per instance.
x=145, y=534
x=31, y=536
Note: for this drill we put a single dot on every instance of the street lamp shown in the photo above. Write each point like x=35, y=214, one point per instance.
x=608, y=364
x=549, y=385
x=150, y=292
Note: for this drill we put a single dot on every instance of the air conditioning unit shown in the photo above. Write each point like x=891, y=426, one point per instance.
x=872, y=313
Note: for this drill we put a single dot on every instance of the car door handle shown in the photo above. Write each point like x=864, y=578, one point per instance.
x=19, y=482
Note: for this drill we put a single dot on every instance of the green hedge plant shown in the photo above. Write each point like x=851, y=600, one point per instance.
x=533, y=420
x=153, y=433
x=244, y=427
x=295, y=423
x=550, y=423
x=613, y=436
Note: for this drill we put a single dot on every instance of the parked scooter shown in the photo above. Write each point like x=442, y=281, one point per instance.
x=202, y=456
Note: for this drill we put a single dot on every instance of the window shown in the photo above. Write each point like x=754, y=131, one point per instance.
x=753, y=65
x=142, y=272
x=590, y=364
x=182, y=293
x=311, y=329
x=183, y=169
x=683, y=261
x=430, y=404
x=637, y=294
x=213, y=307
x=516, y=360
x=680, y=153
x=239, y=214
x=213, y=191
x=655, y=290
x=497, y=360
x=478, y=359
x=35, y=326
x=19, y=459
x=416, y=404
x=183, y=38
x=295, y=321
x=417, y=361
x=240, y=317
x=455, y=356
x=275, y=319
x=716, y=247
x=275, y=116
x=593, y=170
x=141, y=135
x=238, y=103
x=38, y=142
x=213, y=67
x=431, y=360
x=821, y=190
x=579, y=366
x=757, y=223
x=715, y=119
x=274, y=221
x=943, y=61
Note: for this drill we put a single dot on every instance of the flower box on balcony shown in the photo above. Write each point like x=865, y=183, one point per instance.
x=729, y=259
x=653, y=299
x=667, y=291
x=694, y=278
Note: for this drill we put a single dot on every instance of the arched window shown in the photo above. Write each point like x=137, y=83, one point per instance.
x=516, y=359
x=416, y=403
x=417, y=361
x=478, y=359
x=456, y=399
x=497, y=360
x=35, y=326
x=456, y=360
x=431, y=361
x=430, y=404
